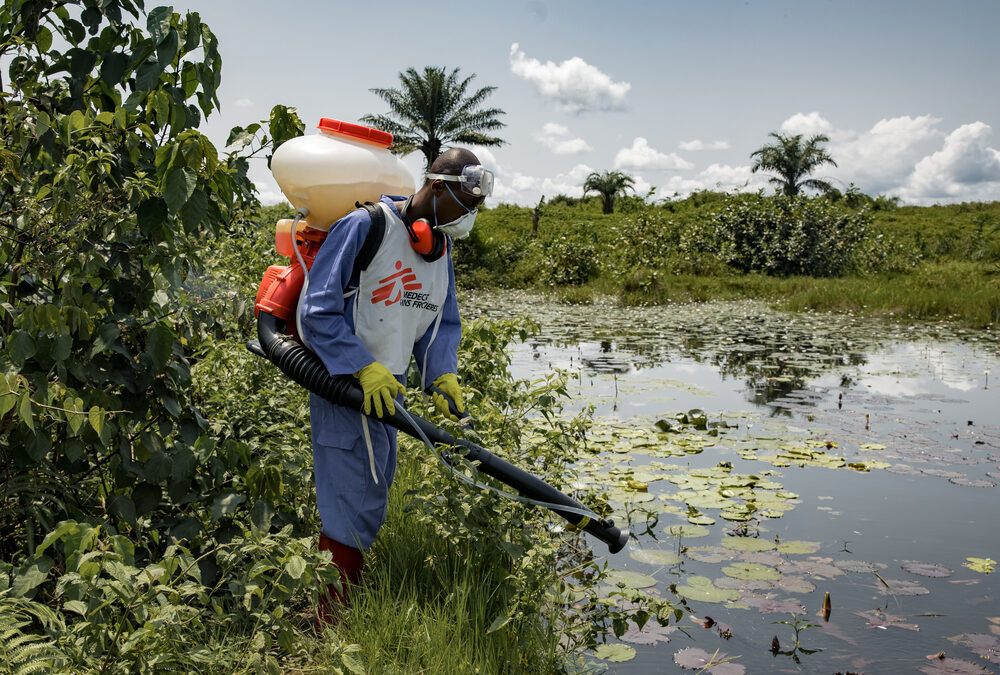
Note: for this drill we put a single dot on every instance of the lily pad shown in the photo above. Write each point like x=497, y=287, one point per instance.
x=689, y=531
x=855, y=566
x=630, y=579
x=751, y=571
x=748, y=544
x=781, y=607
x=716, y=663
x=650, y=634
x=616, y=653
x=950, y=666
x=928, y=570
x=798, y=547
x=972, y=482
x=709, y=554
x=701, y=519
x=878, y=619
x=655, y=557
x=901, y=587
x=795, y=585
x=735, y=584
x=983, y=645
x=984, y=565
x=702, y=589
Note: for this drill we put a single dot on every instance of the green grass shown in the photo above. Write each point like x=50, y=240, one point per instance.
x=427, y=601
x=939, y=262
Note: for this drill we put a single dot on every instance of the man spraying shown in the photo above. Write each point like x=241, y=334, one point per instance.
x=374, y=298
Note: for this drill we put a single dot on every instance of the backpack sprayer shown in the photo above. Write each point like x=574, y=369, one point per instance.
x=324, y=176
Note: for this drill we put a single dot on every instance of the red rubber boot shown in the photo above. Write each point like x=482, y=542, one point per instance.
x=349, y=561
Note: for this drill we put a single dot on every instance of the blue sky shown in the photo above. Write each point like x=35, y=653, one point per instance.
x=677, y=94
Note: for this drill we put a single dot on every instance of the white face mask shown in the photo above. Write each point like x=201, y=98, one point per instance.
x=461, y=226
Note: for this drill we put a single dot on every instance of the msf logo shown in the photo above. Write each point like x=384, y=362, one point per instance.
x=402, y=280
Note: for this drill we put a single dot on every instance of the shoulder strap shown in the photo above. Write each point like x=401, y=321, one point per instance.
x=374, y=238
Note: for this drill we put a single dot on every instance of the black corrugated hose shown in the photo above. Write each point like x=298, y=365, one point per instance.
x=305, y=368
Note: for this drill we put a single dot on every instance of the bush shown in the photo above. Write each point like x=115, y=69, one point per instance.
x=782, y=235
x=570, y=260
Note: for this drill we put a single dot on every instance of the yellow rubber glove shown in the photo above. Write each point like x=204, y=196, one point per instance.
x=448, y=383
x=380, y=386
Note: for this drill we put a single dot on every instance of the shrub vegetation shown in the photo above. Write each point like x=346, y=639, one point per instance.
x=840, y=251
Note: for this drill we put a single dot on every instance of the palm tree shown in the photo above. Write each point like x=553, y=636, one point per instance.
x=431, y=111
x=609, y=185
x=793, y=160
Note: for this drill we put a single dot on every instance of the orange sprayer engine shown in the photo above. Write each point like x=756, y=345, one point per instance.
x=281, y=286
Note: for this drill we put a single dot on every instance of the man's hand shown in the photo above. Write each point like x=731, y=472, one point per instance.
x=448, y=384
x=380, y=386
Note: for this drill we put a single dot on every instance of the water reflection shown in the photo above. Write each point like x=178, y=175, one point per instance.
x=810, y=397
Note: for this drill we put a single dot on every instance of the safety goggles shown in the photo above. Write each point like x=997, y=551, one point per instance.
x=474, y=180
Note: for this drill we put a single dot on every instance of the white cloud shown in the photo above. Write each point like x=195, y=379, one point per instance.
x=910, y=157
x=244, y=103
x=691, y=146
x=515, y=187
x=269, y=194
x=715, y=177
x=574, y=84
x=807, y=124
x=965, y=168
x=881, y=159
x=641, y=156
x=556, y=138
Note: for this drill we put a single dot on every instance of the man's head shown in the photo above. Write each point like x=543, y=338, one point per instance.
x=455, y=185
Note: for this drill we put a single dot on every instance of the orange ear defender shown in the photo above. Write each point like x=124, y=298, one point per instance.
x=425, y=240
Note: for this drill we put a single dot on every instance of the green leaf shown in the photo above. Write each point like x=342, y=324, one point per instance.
x=702, y=589
x=226, y=505
x=62, y=345
x=160, y=346
x=31, y=577
x=179, y=185
x=498, y=623
x=75, y=606
x=166, y=51
x=113, y=67
x=615, y=653
x=147, y=78
x=195, y=211
x=21, y=347
x=120, y=506
x=73, y=447
x=158, y=468
x=96, y=418
x=295, y=567
x=146, y=497
x=158, y=23
x=24, y=410
x=186, y=528
x=152, y=214
x=284, y=125
x=189, y=79
x=7, y=402
x=43, y=39
x=75, y=419
x=106, y=336
x=984, y=565
x=161, y=107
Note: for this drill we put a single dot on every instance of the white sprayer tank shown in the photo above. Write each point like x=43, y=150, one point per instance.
x=345, y=163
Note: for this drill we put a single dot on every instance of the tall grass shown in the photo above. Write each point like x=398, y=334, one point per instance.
x=936, y=262
x=427, y=603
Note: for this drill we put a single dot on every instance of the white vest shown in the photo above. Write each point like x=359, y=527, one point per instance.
x=400, y=295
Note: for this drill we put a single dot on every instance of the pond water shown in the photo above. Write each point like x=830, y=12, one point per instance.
x=834, y=454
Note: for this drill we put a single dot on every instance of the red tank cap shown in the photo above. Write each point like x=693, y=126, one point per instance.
x=368, y=134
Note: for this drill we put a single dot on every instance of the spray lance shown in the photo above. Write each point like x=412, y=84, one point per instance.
x=278, y=333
